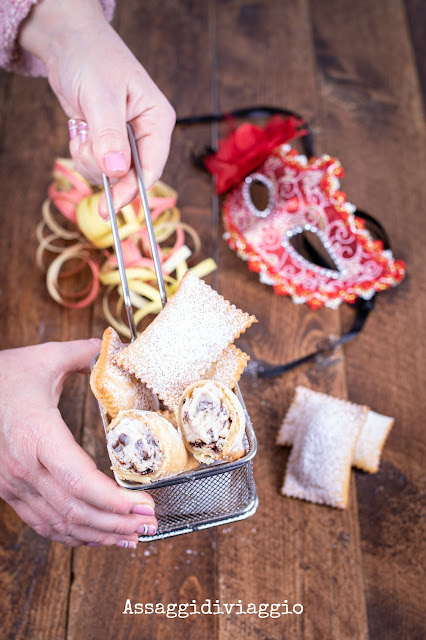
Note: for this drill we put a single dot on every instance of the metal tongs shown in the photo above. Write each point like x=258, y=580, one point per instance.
x=116, y=236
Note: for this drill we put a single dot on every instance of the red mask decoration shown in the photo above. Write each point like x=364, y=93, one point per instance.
x=303, y=196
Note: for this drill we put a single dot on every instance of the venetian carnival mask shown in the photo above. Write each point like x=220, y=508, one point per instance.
x=300, y=196
x=285, y=215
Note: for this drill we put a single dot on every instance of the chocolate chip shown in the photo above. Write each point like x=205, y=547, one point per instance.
x=140, y=448
x=122, y=440
x=205, y=405
x=141, y=473
x=197, y=444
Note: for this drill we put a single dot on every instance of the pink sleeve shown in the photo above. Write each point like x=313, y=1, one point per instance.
x=12, y=56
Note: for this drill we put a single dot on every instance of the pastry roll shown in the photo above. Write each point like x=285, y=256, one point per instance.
x=115, y=389
x=143, y=447
x=212, y=422
x=184, y=340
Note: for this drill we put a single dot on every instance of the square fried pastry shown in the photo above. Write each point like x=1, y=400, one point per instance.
x=184, y=340
x=229, y=367
x=374, y=430
x=325, y=438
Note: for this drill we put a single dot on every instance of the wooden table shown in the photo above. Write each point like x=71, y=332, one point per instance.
x=350, y=68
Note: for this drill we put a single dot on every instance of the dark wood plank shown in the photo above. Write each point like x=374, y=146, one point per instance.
x=416, y=16
x=167, y=41
x=356, y=81
x=290, y=550
x=35, y=573
x=374, y=122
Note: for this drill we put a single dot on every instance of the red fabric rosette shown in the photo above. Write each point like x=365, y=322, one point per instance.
x=247, y=147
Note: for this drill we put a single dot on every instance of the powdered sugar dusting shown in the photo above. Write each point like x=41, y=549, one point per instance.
x=304, y=408
x=325, y=436
x=295, y=416
x=184, y=339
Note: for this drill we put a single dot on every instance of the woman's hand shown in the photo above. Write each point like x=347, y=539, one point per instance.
x=46, y=477
x=98, y=80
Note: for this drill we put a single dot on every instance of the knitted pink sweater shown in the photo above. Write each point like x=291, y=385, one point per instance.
x=12, y=56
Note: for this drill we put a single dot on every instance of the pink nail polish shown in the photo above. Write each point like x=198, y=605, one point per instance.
x=115, y=161
x=93, y=544
x=126, y=544
x=143, y=510
x=145, y=530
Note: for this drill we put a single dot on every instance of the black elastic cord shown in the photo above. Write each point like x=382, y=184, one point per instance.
x=363, y=308
x=375, y=227
x=251, y=112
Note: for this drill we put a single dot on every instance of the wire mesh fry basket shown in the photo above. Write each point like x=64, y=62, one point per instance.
x=210, y=495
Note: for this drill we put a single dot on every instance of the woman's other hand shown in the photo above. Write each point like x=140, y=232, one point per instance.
x=46, y=477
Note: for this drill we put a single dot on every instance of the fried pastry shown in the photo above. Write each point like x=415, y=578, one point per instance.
x=229, y=367
x=184, y=340
x=143, y=447
x=116, y=389
x=371, y=441
x=212, y=422
x=319, y=466
x=307, y=404
x=170, y=416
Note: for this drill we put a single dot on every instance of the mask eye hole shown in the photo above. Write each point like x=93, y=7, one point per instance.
x=311, y=248
x=258, y=194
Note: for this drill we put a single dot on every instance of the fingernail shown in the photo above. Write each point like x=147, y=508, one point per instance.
x=82, y=131
x=143, y=510
x=127, y=544
x=146, y=530
x=73, y=128
x=115, y=161
x=148, y=178
x=93, y=544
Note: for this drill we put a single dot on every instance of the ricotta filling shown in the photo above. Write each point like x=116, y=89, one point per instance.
x=206, y=420
x=135, y=447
